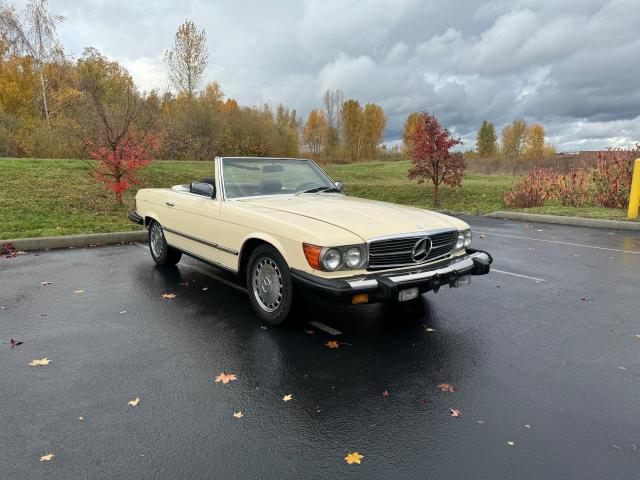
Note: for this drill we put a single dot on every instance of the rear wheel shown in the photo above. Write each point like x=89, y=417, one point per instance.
x=269, y=285
x=161, y=252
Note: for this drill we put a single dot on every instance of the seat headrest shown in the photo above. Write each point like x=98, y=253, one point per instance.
x=270, y=186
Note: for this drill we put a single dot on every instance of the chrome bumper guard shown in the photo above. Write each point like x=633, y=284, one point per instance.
x=400, y=278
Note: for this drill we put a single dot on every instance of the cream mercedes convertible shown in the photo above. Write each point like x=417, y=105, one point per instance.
x=287, y=229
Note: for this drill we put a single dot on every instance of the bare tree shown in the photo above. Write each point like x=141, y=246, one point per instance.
x=187, y=59
x=333, y=100
x=32, y=32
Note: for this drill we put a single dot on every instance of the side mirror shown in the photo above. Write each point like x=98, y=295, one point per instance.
x=339, y=185
x=204, y=189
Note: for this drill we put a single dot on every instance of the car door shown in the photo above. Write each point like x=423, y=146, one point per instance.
x=191, y=224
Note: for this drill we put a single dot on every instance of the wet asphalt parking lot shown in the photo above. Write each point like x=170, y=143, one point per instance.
x=543, y=354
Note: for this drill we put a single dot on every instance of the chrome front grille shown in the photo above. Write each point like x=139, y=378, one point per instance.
x=397, y=252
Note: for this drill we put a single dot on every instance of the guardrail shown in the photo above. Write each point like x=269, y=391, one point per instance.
x=634, y=197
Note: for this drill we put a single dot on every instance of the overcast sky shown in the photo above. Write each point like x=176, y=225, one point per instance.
x=572, y=65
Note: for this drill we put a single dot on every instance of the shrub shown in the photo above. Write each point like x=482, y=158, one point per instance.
x=612, y=176
x=574, y=189
x=532, y=191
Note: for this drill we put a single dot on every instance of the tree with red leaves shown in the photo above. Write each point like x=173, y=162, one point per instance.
x=430, y=156
x=116, y=166
x=110, y=129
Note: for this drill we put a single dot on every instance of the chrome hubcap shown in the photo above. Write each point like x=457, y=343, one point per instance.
x=157, y=241
x=266, y=280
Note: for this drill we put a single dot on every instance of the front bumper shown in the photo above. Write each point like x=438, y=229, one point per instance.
x=386, y=286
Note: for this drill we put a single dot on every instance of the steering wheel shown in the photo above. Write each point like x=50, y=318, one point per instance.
x=306, y=186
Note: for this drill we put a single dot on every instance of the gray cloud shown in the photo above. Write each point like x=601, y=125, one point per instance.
x=571, y=65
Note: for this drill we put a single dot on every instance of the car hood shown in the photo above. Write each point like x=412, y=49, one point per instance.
x=366, y=218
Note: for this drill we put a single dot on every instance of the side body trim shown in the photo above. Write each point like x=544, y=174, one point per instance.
x=204, y=242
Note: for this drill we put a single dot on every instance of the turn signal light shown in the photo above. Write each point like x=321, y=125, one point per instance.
x=360, y=298
x=312, y=252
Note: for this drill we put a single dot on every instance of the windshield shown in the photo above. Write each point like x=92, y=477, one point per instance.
x=247, y=177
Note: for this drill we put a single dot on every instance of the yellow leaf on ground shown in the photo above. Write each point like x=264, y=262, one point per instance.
x=169, y=295
x=454, y=412
x=123, y=312
x=447, y=387
x=40, y=363
x=47, y=457
x=225, y=378
x=238, y=414
x=134, y=402
x=78, y=291
x=332, y=344
x=354, y=457
x=45, y=283
x=510, y=443
x=288, y=397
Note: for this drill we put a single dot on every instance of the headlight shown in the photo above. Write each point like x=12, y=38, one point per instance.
x=460, y=240
x=353, y=257
x=347, y=257
x=332, y=259
x=467, y=238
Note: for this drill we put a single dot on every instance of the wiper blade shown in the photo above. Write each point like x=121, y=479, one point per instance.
x=320, y=190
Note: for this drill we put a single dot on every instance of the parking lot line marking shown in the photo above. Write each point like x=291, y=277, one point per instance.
x=519, y=275
x=324, y=328
x=559, y=242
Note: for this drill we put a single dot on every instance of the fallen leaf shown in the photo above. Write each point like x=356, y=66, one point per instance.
x=81, y=418
x=15, y=343
x=78, y=291
x=637, y=336
x=204, y=289
x=287, y=397
x=429, y=329
x=45, y=283
x=483, y=236
x=385, y=393
x=43, y=314
x=39, y=363
x=123, y=312
x=134, y=402
x=510, y=443
x=47, y=457
x=447, y=387
x=310, y=332
x=527, y=426
x=332, y=344
x=354, y=457
x=169, y=295
x=238, y=414
x=225, y=378
x=455, y=412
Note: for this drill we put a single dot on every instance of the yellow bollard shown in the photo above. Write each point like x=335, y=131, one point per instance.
x=634, y=198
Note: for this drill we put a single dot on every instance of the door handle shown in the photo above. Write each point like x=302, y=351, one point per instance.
x=170, y=204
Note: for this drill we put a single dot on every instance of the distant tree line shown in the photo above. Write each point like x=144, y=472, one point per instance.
x=55, y=106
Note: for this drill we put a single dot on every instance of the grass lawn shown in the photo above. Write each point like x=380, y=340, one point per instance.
x=59, y=197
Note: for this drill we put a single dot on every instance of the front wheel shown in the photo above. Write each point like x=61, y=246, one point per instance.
x=161, y=252
x=269, y=285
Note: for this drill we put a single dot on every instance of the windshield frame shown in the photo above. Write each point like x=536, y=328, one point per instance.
x=311, y=163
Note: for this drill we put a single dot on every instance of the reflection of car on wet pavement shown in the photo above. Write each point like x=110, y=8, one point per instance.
x=282, y=223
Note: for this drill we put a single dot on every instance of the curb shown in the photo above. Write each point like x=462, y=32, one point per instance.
x=561, y=220
x=86, y=240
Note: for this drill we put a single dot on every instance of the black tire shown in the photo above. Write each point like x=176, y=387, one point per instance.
x=269, y=285
x=163, y=254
